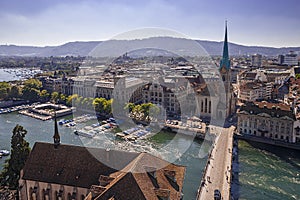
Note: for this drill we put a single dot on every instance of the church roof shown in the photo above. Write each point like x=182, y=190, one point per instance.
x=109, y=174
x=73, y=165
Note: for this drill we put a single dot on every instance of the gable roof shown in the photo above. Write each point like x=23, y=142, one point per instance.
x=136, y=182
x=267, y=109
x=73, y=165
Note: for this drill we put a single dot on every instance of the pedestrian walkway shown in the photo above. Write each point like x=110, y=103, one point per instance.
x=218, y=169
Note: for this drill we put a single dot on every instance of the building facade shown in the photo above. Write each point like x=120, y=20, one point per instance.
x=254, y=91
x=256, y=60
x=267, y=120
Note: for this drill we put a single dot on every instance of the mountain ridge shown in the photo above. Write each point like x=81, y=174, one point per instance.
x=83, y=48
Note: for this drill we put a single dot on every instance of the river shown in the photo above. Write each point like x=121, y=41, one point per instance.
x=266, y=172
x=43, y=131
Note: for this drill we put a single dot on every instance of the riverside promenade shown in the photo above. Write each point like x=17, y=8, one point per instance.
x=217, y=174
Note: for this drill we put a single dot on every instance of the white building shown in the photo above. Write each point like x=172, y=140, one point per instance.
x=268, y=120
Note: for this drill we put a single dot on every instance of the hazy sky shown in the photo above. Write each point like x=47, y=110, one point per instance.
x=54, y=22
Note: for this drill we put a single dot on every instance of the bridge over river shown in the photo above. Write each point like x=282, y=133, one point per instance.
x=217, y=173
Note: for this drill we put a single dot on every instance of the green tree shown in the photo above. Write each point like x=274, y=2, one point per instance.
x=31, y=89
x=33, y=83
x=108, y=106
x=99, y=105
x=129, y=107
x=137, y=112
x=87, y=103
x=19, y=153
x=4, y=90
x=15, y=92
x=78, y=102
x=62, y=98
x=71, y=98
x=55, y=97
x=44, y=95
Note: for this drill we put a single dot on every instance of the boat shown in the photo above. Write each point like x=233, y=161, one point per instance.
x=120, y=135
x=89, y=134
x=62, y=121
x=4, y=152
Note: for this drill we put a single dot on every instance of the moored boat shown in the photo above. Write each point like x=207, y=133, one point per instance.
x=4, y=152
x=89, y=134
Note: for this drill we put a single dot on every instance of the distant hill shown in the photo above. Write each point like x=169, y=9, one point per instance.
x=115, y=47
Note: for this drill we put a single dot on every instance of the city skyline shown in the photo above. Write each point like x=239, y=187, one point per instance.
x=50, y=23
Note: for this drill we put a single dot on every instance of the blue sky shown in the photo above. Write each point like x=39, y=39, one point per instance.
x=54, y=22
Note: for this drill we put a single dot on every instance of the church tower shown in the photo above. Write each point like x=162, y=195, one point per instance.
x=225, y=73
x=56, y=136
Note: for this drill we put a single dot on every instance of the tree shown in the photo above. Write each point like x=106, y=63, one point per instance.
x=71, y=98
x=4, y=90
x=19, y=153
x=15, y=92
x=108, y=106
x=62, y=98
x=87, y=103
x=33, y=83
x=44, y=95
x=54, y=97
x=129, y=107
x=99, y=105
x=31, y=89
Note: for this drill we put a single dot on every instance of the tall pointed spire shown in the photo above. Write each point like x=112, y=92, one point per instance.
x=225, y=62
x=56, y=136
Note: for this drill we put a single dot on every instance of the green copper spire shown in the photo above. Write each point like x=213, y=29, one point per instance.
x=56, y=136
x=225, y=62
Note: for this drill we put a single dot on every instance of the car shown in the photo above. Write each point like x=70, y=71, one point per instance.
x=217, y=195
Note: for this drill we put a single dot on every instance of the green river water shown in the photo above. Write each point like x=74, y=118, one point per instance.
x=265, y=172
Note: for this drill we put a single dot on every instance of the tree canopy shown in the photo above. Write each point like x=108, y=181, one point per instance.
x=31, y=89
x=4, y=90
x=19, y=153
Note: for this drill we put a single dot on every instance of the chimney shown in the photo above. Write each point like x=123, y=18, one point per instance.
x=105, y=180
